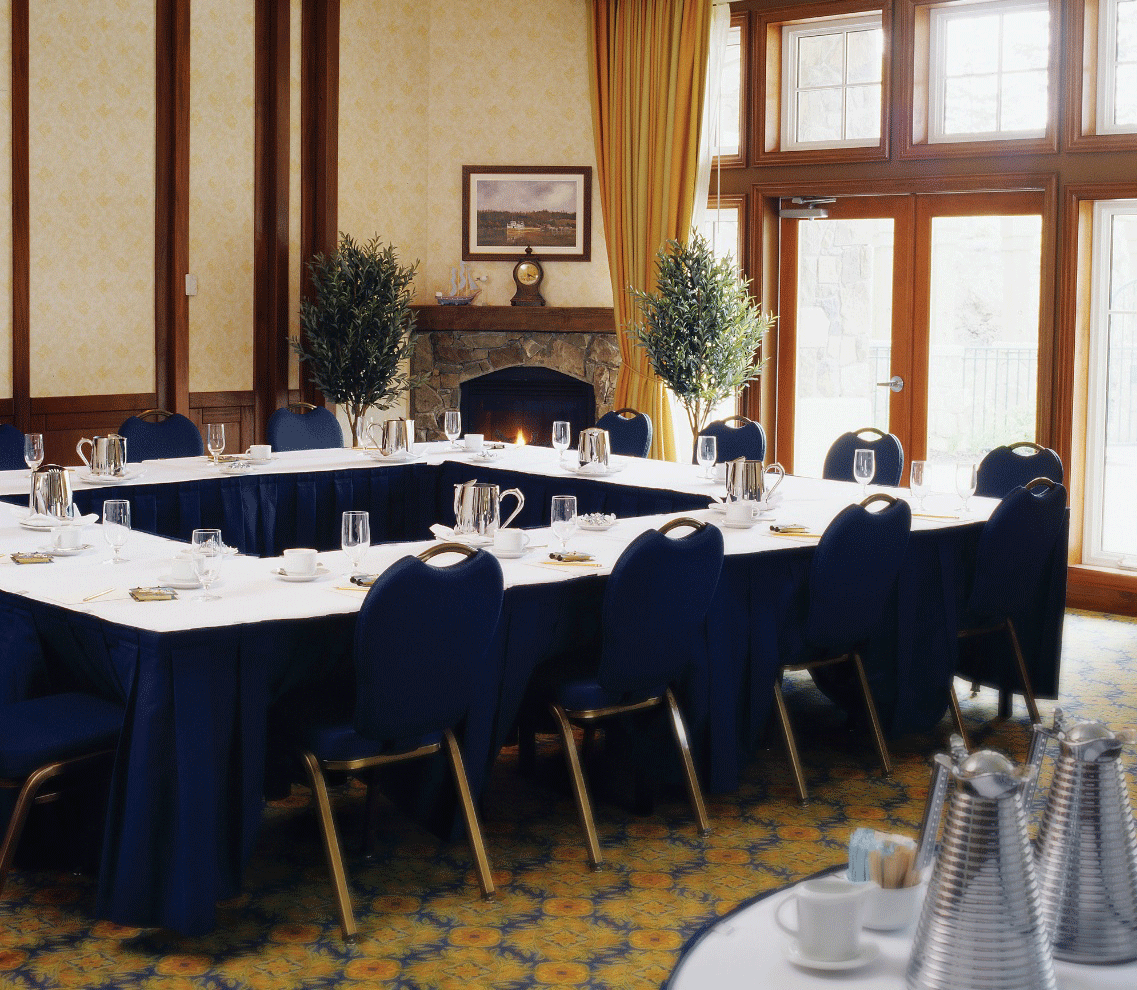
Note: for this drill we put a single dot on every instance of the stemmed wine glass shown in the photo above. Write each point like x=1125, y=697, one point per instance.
x=561, y=436
x=452, y=425
x=207, y=553
x=33, y=457
x=966, y=478
x=355, y=537
x=864, y=468
x=215, y=439
x=563, y=517
x=920, y=481
x=116, y=526
x=706, y=452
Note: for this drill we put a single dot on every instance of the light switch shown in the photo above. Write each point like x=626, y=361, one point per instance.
x=191, y=285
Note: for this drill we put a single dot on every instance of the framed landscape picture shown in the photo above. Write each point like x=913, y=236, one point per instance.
x=505, y=210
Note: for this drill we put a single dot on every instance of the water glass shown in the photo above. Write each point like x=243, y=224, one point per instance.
x=706, y=452
x=562, y=517
x=215, y=439
x=920, y=481
x=864, y=468
x=561, y=434
x=207, y=553
x=116, y=526
x=452, y=425
x=355, y=537
x=966, y=478
x=33, y=457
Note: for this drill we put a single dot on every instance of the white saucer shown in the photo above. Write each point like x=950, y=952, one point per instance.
x=508, y=554
x=40, y=527
x=102, y=479
x=182, y=584
x=68, y=551
x=727, y=524
x=720, y=507
x=401, y=458
x=321, y=571
x=259, y=461
x=592, y=471
x=792, y=951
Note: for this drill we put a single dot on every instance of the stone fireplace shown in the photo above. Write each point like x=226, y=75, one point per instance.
x=450, y=355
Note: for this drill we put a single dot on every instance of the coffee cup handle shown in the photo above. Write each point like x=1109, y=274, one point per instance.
x=778, y=913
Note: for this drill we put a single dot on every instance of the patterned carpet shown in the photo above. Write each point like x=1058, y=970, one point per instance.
x=553, y=923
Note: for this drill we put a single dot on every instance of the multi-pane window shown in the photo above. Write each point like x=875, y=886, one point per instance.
x=989, y=71
x=831, y=83
x=1117, y=66
x=727, y=133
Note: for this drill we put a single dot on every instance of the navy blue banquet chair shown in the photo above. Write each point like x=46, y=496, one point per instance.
x=629, y=434
x=652, y=629
x=735, y=436
x=1003, y=469
x=170, y=435
x=45, y=739
x=1016, y=543
x=852, y=574
x=311, y=428
x=889, y=457
x=413, y=686
x=11, y=448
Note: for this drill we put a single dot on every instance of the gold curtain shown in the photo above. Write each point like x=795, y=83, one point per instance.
x=649, y=75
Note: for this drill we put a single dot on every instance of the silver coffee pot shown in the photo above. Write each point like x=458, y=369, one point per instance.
x=51, y=491
x=477, y=508
x=594, y=447
x=981, y=925
x=1086, y=850
x=746, y=480
x=396, y=436
x=108, y=455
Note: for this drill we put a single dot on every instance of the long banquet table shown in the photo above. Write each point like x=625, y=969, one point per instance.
x=199, y=680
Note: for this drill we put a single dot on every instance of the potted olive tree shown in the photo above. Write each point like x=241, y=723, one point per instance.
x=359, y=330
x=700, y=328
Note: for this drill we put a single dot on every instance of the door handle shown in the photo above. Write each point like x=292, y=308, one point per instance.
x=896, y=383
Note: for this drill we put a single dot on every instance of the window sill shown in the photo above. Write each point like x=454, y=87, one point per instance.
x=1102, y=589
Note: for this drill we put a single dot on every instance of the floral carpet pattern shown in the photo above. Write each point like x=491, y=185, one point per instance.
x=554, y=923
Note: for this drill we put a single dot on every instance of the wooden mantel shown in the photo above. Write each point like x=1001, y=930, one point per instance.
x=521, y=319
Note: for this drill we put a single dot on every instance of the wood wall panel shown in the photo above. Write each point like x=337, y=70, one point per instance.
x=63, y=419
x=235, y=409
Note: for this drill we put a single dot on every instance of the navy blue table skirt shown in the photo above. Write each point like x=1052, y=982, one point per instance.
x=188, y=784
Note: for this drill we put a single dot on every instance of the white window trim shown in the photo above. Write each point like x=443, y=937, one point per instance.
x=1100, y=267
x=791, y=34
x=938, y=46
x=1107, y=71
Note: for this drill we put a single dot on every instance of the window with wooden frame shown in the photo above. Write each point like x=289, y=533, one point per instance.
x=1101, y=96
x=730, y=138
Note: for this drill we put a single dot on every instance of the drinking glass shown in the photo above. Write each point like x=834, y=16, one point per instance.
x=920, y=481
x=207, y=553
x=561, y=434
x=355, y=537
x=864, y=468
x=563, y=517
x=116, y=526
x=706, y=452
x=452, y=425
x=33, y=457
x=966, y=478
x=215, y=439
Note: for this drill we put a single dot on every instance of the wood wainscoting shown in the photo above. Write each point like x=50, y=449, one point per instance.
x=233, y=409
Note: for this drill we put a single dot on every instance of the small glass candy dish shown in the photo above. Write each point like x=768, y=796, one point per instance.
x=596, y=521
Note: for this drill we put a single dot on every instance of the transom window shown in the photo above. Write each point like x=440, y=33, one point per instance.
x=831, y=83
x=989, y=71
x=1117, y=65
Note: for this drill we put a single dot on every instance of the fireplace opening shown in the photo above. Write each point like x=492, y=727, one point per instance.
x=525, y=401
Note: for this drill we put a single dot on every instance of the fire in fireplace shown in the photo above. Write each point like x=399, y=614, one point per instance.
x=523, y=402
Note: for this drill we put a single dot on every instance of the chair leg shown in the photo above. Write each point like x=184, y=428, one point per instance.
x=579, y=787
x=877, y=731
x=370, y=816
x=470, y=814
x=791, y=743
x=331, y=846
x=1028, y=691
x=694, y=792
x=24, y=802
x=957, y=715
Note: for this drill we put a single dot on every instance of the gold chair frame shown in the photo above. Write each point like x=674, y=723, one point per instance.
x=158, y=414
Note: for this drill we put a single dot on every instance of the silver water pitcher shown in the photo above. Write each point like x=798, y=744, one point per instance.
x=593, y=448
x=108, y=455
x=51, y=491
x=981, y=926
x=746, y=480
x=1086, y=850
x=477, y=508
x=396, y=436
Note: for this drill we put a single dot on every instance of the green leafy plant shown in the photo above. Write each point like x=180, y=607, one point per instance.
x=359, y=329
x=700, y=328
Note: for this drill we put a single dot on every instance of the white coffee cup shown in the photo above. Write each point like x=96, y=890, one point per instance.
x=475, y=442
x=830, y=911
x=181, y=567
x=300, y=561
x=68, y=537
x=743, y=512
x=260, y=451
x=510, y=540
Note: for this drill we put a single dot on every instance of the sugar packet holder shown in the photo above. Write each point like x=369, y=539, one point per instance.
x=32, y=558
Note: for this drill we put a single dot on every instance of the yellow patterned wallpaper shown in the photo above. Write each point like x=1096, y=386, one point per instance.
x=222, y=82
x=91, y=81
x=6, y=205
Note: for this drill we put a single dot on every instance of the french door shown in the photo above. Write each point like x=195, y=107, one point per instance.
x=917, y=315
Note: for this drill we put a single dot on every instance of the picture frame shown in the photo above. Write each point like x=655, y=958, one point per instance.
x=506, y=209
